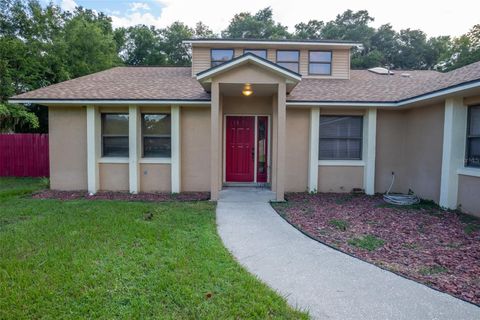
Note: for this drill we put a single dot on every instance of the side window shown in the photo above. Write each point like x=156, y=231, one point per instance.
x=219, y=56
x=288, y=59
x=473, y=137
x=320, y=63
x=340, y=138
x=114, y=135
x=157, y=135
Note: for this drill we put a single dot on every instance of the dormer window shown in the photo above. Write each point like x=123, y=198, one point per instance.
x=262, y=53
x=320, y=63
x=288, y=59
x=219, y=56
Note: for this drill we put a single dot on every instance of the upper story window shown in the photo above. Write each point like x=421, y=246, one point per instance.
x=262, y=53
x=219, y=56
x=288, y=59
x=157, y=135
x=320, y=62
x=473, y=137
x=114, y=135
x=340, y=138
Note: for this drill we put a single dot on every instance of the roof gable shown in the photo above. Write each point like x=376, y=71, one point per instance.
x=249, y=58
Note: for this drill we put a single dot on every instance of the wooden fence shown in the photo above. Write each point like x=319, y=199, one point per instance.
x=24, y=155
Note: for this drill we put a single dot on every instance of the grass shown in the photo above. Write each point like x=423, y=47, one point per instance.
x=427, y=271
x=115, y=259
x=341, y=225
x=367, y=242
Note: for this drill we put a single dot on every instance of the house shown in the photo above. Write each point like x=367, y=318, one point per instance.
x=290, y=115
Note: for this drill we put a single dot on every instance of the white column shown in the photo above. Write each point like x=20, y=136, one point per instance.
x=175, y=167
x=133, y=154
x=453, y=157
x=313, y=150
x=369, y=151
x=93, y=147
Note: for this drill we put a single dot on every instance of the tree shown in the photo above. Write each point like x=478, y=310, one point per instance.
x=464, y=50
x=176, y=52
x=310, y=30
x=203, y=31
x=89, y=43
x=258, y=26
x=141, y=45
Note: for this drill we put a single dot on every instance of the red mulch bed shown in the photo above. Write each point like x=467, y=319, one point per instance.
x=422, y=242
x=156, y=197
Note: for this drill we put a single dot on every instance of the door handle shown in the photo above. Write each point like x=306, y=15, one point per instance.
x=253, y=154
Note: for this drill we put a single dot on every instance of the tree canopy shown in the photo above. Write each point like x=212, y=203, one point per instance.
x=42, y=45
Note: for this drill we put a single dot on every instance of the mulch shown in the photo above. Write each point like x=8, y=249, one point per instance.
x=422, y=242
x=153, y=197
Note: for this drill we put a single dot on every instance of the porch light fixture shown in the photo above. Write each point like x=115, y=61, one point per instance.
x=247, y=90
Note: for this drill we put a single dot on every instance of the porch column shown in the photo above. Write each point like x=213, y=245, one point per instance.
x=281, y=127
x=214, y=141
x=133, y=148
x=453, y=157
x=274, y=140
x=175, y=166
x=93, y=148
x=313, y=150
x=369, y=153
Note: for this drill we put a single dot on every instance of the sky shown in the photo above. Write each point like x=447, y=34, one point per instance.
x=433, y=17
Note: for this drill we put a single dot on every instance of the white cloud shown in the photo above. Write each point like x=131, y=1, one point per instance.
x=68, y=5
x=440, y=18
x=136, y=6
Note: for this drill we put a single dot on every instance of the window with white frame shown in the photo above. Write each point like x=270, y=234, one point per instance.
x=114, y=135
x=156, y=135
x=473, y=137
x=340, y=138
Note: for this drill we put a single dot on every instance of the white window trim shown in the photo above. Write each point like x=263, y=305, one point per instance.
x=341, y=163
x=113, y=160
x=467, y=171
x=156, y=160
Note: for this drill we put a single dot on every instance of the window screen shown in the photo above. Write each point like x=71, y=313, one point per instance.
x=473, y=137
x=114, y=135
x=156, y=135
x=320, y=62
x=340, y=138
x=288, y=59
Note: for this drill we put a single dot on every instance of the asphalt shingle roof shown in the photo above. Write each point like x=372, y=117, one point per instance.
x=176, y=83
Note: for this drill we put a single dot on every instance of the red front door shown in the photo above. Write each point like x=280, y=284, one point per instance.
x=240, y=149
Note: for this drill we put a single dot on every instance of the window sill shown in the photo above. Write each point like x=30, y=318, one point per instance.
x=113, y=160
x=341, y=163
x=473, y=172
x=156, y=160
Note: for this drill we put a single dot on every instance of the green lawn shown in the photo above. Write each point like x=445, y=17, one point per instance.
x=102, y=259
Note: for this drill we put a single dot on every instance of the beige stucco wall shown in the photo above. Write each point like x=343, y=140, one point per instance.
x=410, y=143
x=390, y=151
x=195, y=148
x=155, y=177
x=339, y=178
x=468, y=194
x=68, y=148
x=250, y=105
x=113, y=176
x=296, y=152
x=340, y=60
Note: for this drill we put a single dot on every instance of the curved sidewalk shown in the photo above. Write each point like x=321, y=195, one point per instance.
x=313, y=277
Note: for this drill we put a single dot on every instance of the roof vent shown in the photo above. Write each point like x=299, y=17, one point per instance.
x=406, y=75
x=380, y=70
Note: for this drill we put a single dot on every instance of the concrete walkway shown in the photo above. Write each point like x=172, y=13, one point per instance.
x=313, y=277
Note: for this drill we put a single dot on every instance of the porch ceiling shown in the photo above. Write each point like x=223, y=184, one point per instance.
x=259, y=90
